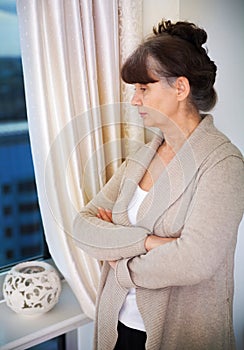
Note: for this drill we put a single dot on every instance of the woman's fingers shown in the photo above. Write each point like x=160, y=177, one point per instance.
x=153, y=241
x=104, y=214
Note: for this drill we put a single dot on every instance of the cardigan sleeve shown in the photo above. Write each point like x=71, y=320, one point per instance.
x=104, y=240
x=209, y=231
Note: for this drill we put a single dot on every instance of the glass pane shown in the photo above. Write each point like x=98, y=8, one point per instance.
x=21, y=230
x=53, y=344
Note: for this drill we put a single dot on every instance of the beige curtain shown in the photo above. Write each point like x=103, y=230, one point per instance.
x=72, y=51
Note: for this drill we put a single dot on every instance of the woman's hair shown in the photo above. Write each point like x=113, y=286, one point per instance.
x=175, y=50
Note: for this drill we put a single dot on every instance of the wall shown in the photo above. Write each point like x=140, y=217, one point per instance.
x=223, y=20
x=155, y=10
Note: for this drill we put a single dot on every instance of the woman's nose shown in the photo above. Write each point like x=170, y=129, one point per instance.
x=136, y=100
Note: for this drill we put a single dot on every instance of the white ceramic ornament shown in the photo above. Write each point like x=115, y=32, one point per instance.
x=32, y=288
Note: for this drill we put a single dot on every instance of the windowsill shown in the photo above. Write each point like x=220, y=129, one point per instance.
x=21, y=332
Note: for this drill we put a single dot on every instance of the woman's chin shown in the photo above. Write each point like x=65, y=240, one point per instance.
x=148, y=123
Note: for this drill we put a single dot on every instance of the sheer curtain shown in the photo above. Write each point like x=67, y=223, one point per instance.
x=72, y=52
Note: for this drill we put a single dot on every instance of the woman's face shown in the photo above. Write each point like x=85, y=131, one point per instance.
x=157, y=102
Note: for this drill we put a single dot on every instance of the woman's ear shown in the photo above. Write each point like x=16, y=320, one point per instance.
x=183, y=88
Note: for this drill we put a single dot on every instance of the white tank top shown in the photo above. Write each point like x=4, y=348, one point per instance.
x=129, y=314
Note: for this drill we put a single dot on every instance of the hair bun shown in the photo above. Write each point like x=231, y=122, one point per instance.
x=184, y=30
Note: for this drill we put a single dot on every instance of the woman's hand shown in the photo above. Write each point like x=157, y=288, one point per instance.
x=105, y=214
x=153, y=241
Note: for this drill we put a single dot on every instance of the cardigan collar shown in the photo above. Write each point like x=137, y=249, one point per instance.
x=176, y=176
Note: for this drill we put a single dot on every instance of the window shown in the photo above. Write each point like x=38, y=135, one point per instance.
x=53, y=344
x=21, y=230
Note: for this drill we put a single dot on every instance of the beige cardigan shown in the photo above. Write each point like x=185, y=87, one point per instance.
x=184, y=289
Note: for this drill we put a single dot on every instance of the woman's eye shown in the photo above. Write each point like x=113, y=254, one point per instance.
x=141, y=88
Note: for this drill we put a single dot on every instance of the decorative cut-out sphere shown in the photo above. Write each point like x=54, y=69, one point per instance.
x=32, y=288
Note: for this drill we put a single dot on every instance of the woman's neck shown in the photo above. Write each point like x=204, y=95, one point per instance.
x=176, y=133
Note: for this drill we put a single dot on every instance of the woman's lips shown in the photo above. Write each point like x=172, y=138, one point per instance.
x=142, y=114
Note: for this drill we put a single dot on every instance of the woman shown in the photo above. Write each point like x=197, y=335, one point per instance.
x=166, y=223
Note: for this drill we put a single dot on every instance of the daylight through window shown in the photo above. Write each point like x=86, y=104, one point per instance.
x=21, y=228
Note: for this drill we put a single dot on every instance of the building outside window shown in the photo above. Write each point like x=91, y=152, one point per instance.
x=20, y=220
x=21, y=230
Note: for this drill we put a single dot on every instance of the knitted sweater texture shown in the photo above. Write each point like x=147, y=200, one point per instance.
x=184, y=289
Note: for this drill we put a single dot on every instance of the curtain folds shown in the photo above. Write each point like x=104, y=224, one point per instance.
x=80, y=131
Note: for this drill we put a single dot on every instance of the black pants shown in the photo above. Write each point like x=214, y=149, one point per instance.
x=130, y=339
